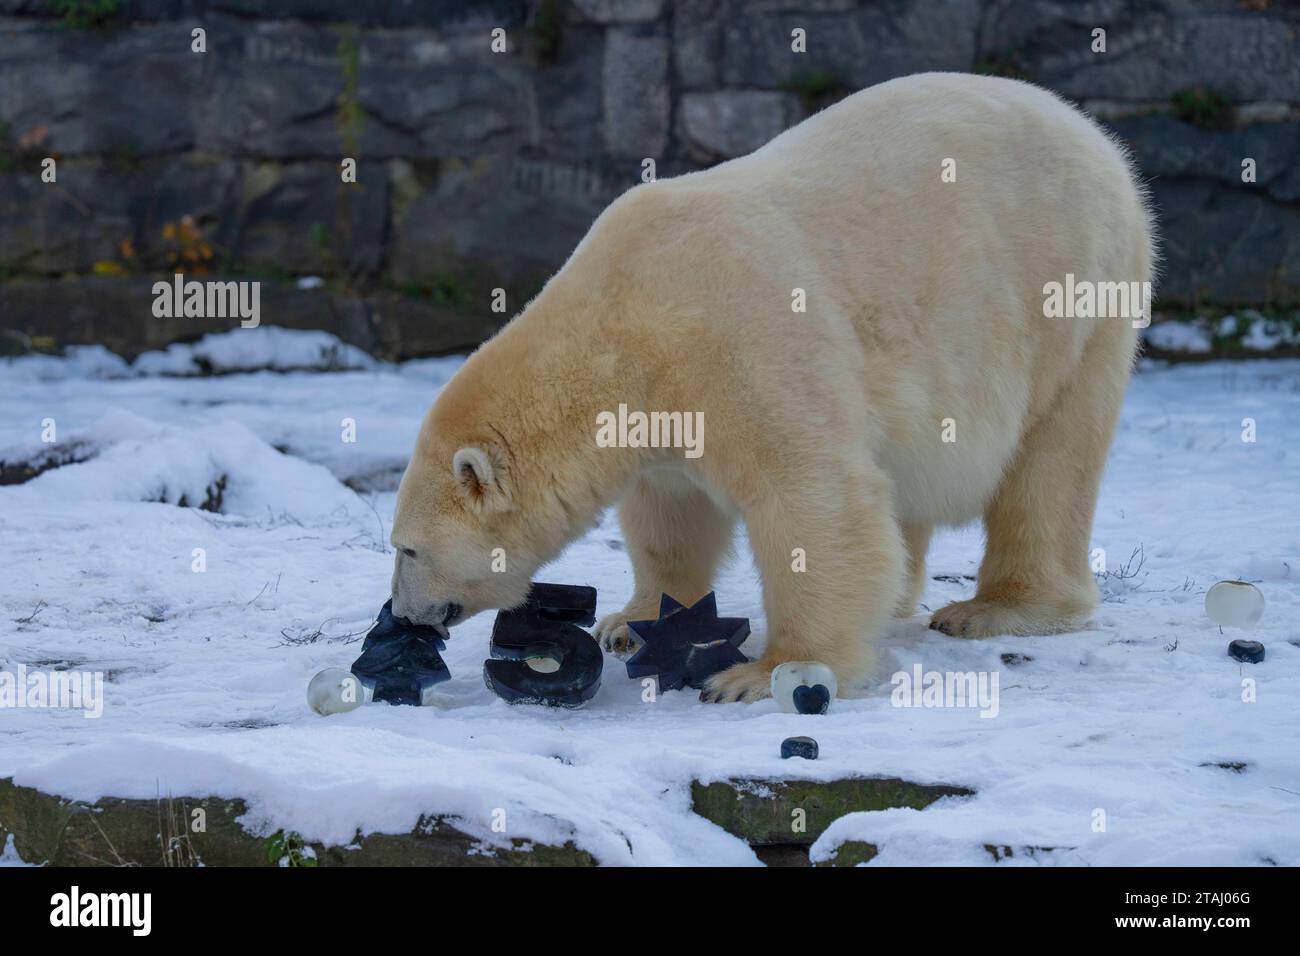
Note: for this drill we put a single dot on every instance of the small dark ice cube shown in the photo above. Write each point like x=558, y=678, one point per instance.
x=804, y=747
x=1248, y=652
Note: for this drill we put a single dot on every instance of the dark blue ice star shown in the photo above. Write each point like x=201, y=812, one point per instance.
x=687, y=645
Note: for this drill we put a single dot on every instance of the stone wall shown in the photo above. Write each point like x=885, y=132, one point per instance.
x=481, y=169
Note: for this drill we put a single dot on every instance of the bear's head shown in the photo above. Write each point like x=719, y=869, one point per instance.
x=505, y=473
x=462, y=541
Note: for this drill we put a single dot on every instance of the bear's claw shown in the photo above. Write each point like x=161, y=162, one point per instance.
x=613, y=635
x=946, y=627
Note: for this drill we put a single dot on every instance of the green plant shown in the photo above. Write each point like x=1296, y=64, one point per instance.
x=123, y=156
x=350, y=117
x=1203, y=107
x=817, y=88
x=174, y=835
x=1009, y=62
x=441, y=289
x=85, y=14
x=1228, y=332
x=289, y=849
x=546, y=30
x=1000, y=64
x=350, y=114
x=265, y=270
x=14, y=343
x=319, y=234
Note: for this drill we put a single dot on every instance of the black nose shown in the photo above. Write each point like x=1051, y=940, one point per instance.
x=453, y=614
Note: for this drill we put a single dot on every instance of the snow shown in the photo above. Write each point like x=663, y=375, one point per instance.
x=9, y=855
x=140, y=460
x=272, y=348
x=219, y=353
x=1176, y=335
x=206, y=672
x=81, y=361
x=1257, y=333
x=1264, y=335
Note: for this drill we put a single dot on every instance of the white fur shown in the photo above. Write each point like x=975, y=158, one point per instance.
x=924, y=303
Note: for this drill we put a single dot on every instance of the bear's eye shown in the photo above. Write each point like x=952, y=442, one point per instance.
x=408, y=552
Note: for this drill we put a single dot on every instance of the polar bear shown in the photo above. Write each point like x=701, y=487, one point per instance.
x=859, y=315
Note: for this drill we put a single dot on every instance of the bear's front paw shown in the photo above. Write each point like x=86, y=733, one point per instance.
x=612, y=632
x=740, y=682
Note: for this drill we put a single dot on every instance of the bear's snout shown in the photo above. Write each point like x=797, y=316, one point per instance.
x=413, y=603
x=429, y=614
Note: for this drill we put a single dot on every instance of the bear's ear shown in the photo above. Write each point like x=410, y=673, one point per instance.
x=481, y=475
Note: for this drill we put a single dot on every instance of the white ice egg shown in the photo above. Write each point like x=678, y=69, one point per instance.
x=336, y=690
x=1234, y=604
x=786, y=677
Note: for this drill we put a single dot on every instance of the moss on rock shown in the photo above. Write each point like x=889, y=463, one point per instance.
x=851, y=853
x=771, y=812
x=118, y=832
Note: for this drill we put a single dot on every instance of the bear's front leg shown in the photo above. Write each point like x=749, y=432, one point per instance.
x=676, y=536
x=832, y=560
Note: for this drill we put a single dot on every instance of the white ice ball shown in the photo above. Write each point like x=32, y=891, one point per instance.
x=1234, y=604
x=786, y=677
x=336, y=690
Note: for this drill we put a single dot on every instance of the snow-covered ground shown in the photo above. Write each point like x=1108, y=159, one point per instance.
x=1107, y=744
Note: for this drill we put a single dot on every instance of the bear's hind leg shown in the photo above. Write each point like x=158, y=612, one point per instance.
x=676, y=537
x=1035, y=577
